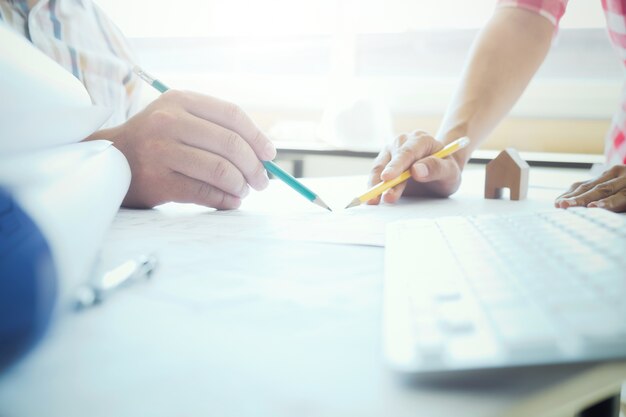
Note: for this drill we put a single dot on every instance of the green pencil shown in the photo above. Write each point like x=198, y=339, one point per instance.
x=294, y=183
x=269, y=165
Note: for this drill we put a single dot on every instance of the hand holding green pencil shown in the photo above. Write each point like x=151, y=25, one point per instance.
x=269, y=165
x=191, y=148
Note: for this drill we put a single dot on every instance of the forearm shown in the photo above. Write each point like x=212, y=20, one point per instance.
x=504, y=58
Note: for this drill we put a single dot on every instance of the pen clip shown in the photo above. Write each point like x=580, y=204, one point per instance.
x=132, y=270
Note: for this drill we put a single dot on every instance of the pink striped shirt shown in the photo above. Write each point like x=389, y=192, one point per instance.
x=615, y=13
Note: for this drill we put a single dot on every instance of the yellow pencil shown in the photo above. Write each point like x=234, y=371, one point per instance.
x=378, y=189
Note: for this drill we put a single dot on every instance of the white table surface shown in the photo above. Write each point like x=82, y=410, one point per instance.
x=241, y=323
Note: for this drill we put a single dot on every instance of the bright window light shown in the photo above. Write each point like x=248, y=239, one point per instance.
x=206, y=18
x=294, y=59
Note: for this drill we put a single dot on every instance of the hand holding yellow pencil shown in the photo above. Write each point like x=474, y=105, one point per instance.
x=386, y=185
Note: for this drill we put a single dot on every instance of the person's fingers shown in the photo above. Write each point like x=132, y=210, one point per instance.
x=583, y=187
x=568, y=192
x=191, y=190
x=228, y=115
x=439, y=176
x=380, y=163
x=401, y=157
x=216, y=139
x=598, y=192
x=393, y=194
x=407, y=150
x=209, y=168
x=615, y=202
x=566, y=199
x=435, y=169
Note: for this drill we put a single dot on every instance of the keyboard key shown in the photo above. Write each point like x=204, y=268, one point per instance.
x=454, y=316
x=477, y=348
x=523, y=329
x=429, y=339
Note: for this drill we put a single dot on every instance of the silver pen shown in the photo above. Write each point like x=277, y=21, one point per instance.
x=95, y=292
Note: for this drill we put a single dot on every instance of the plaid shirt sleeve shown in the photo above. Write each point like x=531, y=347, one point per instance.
x=82, y=39
x=552, y=10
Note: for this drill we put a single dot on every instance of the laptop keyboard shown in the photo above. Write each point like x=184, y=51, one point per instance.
x=506, y=290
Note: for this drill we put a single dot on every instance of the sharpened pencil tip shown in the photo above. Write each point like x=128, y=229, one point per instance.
x=353, y=203
x=321, y=203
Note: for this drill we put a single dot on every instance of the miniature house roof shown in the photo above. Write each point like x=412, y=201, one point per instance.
x=508, y=156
